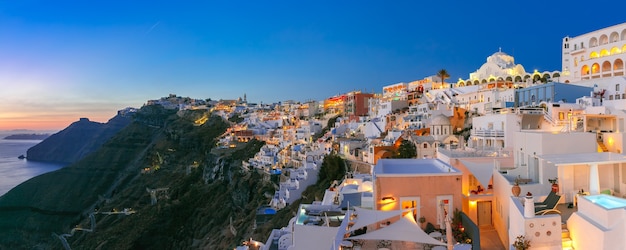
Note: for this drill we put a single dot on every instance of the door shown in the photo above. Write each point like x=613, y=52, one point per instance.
x=408, y=203
x=484, y=213
x=444, y=209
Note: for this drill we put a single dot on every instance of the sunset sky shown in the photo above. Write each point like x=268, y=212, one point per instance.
x=62, y=60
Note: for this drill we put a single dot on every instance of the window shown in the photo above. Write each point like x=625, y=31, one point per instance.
x=561, y=116
x=425, y=145
x=616, y=87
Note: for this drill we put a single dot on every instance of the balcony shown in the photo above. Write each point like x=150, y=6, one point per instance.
x=577, y=51
x=471, y=152
x=488, y=133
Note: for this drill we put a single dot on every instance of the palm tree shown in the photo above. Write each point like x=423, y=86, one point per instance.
x=443, y=74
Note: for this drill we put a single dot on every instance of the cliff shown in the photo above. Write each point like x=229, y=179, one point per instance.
x=77, y=140
x=159, y=183
x=199, y=190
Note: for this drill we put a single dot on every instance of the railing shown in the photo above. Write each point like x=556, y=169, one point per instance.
x=488, y=133
x=531, y=111
x=548, y=116
x=485, y=152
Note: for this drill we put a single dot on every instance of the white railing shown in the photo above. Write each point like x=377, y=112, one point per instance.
x=488, y=133
x=531, y=111
x=548, y=116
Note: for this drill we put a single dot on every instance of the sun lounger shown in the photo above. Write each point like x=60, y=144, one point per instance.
x=550, y=206
x=548, y=199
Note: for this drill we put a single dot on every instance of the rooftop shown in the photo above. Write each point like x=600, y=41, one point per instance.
x=403, y=167
x=584, y=158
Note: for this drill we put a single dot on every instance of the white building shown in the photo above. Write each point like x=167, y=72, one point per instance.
x=494, y=131
x=597, y=54
x=498, y=65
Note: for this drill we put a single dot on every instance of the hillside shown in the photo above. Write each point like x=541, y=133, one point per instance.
x=198, y=190
x=158, y=150
x=79, y=139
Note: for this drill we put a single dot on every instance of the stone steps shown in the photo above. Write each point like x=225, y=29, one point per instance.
x=566, y=241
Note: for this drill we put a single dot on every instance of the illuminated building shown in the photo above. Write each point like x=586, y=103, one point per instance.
x=597, y=54
x=357, y=104
x=431, y=186
x=501, y=71
x=335, y=104
x=395, y=92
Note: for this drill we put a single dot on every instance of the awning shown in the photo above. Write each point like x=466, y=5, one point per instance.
x=405, y=229
x=367, y=216
x=481, y=170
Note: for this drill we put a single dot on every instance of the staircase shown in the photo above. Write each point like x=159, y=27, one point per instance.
x=566, y=241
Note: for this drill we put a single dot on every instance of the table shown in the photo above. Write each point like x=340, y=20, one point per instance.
x=436, y=235
x=462, y=247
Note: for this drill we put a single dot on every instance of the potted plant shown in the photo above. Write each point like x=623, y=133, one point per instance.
x=521, y=243
x=555, y=184
x=422, y=220
x=516, y=190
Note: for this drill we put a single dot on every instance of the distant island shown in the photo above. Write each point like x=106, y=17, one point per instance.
x=27, y=137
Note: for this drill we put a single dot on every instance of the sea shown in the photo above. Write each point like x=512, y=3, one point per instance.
x=13, y=170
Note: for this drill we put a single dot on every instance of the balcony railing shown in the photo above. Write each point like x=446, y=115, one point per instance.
x=484, y=152
x=488, y=133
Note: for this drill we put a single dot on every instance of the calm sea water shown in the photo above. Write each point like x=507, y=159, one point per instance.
x=14, y=171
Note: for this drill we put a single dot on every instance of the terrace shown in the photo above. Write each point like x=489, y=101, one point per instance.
x=320, y=215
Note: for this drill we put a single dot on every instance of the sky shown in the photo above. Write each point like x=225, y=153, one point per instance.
x=63, y=60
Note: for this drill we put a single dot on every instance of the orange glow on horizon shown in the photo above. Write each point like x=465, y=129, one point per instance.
x=46, y=122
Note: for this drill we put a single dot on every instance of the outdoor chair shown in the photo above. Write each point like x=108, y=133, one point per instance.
x=549, y=207
x=549, y=199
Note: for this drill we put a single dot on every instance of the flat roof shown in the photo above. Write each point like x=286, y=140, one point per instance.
x=404, y=167
x=584, y=158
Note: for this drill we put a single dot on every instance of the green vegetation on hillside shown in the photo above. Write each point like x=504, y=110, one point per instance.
x=159, y=150
x=201, y=189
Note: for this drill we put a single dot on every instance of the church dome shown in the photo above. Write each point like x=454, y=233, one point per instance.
x=499, y=64
x=440, y=120
x=503, y=60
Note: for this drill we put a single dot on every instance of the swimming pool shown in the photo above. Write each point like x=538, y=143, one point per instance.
x=607, y=201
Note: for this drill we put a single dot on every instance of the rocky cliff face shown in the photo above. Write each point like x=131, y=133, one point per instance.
x=77, y=140
x=163, y=167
